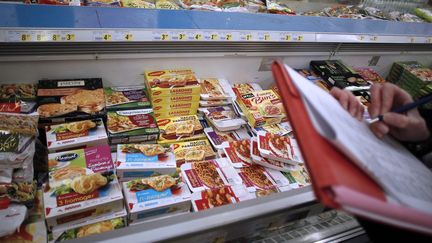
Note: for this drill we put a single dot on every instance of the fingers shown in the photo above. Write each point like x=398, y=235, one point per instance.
x=349, y=102
x=397, y=120
x=375, y=105
x=379, y=129
x=385, y=97
x=341, y=96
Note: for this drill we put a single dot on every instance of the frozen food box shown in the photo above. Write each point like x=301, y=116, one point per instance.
x=238, y=153
x=297, y=178
x=26, y=124
x=262, y=108
x=217, y=197
x=281, y=129
x=176, y=106
x=279, y=148
x=209, y=174
x=130, y=126
x=217, y=138
x=180, y=128
x=143, y=160
x=213, y=103
x=172, y=82
x=126, y=98
x=211, y=89
x=223, y=118
x=156, y=196
x=174, y=113
x=258, y=178
x=17, y=98
x=370, y=75
x=237, y=90
x=192, y=151
x=82, y=184
x=166, y=100
x=268, y=163
x=97, y=225
x=336, y=73
x=75, y=135
x=70, y=99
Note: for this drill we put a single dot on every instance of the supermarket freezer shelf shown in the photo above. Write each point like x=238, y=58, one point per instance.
x=42, y=23
x=248, y=217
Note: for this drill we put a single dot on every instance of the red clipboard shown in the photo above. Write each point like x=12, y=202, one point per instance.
x=336, y=181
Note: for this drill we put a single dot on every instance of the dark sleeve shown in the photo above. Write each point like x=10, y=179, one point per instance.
x=422, y=148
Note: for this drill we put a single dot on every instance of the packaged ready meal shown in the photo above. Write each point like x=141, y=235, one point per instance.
x=209, y=175
x=211, y=198
x=237, y=90
x=18, y=98
x=262, y=180
x=126, y=98
x=181, y=128
x=238, y=153
x=281, y=129
x=74, y=135
x=173, y=113
x=176, y=106
x=217, y=138
x=26, y=124
x=298, y=178
x=82, y=184
x=143, y=160
x=211, y=89
x=223, y=118
x=156, y=196
x=280, y=148
x=131, y=126
x=262, y=108
x=268, y=163
x=213, y=103
x=68, y=100
x=172, y=82
x=193, y=151
x=97, y=225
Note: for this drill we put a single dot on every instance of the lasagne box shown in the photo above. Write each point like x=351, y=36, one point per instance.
x=144, y=202
x=238, y=153
x=262, y=108
x=259, y=178
x=209, y=174
x=175, y=106
x=172, y=82
x=97, y=225
x=82, y=184
x=217, y=138
x=268, y=163
x=130, y=126
x=217, y=197
x=143, y=160
x=176, y=112
x=74, y=135
x=126, y=98
x=192, y=151
x=70, y=100
x=180, y=128
x=161, y=101
x=211, y=89
x=279, y=148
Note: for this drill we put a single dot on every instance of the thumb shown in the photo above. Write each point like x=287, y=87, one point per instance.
x=396, y=120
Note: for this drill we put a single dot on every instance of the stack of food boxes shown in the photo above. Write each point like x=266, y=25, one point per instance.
x=83, y=196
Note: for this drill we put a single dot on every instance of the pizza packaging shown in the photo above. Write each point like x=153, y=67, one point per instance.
x=297, y=178
x=370, y=75
x=126, y=98
x=143, y=160
x=259, y=178
x=211, y=89
x=145, y=201
x=281, y=129
x=172, y=82
x=180, y=128
x=238, y=153
x=336, y=73
x=262, y=108
x=75, y=135
x=268, y=163
x=82, y=184
x=211, y=198
x=131, y=126
x=279, y=148
x=70, y=100
x=217, y=138
x=223, y=118
x=96, y=225
x=193, y=151
x=209, y=174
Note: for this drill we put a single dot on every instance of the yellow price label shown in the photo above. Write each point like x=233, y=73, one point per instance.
x=249, y=37
x=182, y=36
x=213, y=37
x=228, y=37
x=55, y=37
x=128, y=37
x=300, y=38
x=70, y=37
x=198, y=36
x=107, y=37
x=267, y=37
x=164, y=37
x=288, y=37
x=39, y=37
x=25, y=37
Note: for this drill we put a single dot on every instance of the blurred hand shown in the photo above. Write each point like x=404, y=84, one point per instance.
x=404, y=127
x=349, y=102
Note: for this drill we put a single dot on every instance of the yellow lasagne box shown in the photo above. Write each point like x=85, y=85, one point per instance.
x=262, y=108
x=175, y=106
x=172, y=113
x=180, y=128
x=172, y=82
x=193, y=151
x=175, y=99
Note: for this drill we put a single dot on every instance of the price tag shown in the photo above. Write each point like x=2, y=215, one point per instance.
x=40, y=37
x=429, y=40
x=362, y=37
x=266, y=37
x=182, y=36
x=228, y=37
x=128, y=37
x=107, y=37
x=248, y=37
x=164, y=37
x=198, y=36
x=56, y=37
x=213, y=37
x=70, y=37
x=300, y=38
x=287, y=37
x=374, y=38
x=26, y=37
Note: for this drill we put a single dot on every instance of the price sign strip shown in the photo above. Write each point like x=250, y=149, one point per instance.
x=127, y=35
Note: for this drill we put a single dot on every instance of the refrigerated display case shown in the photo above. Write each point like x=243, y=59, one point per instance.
x=53, y=42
